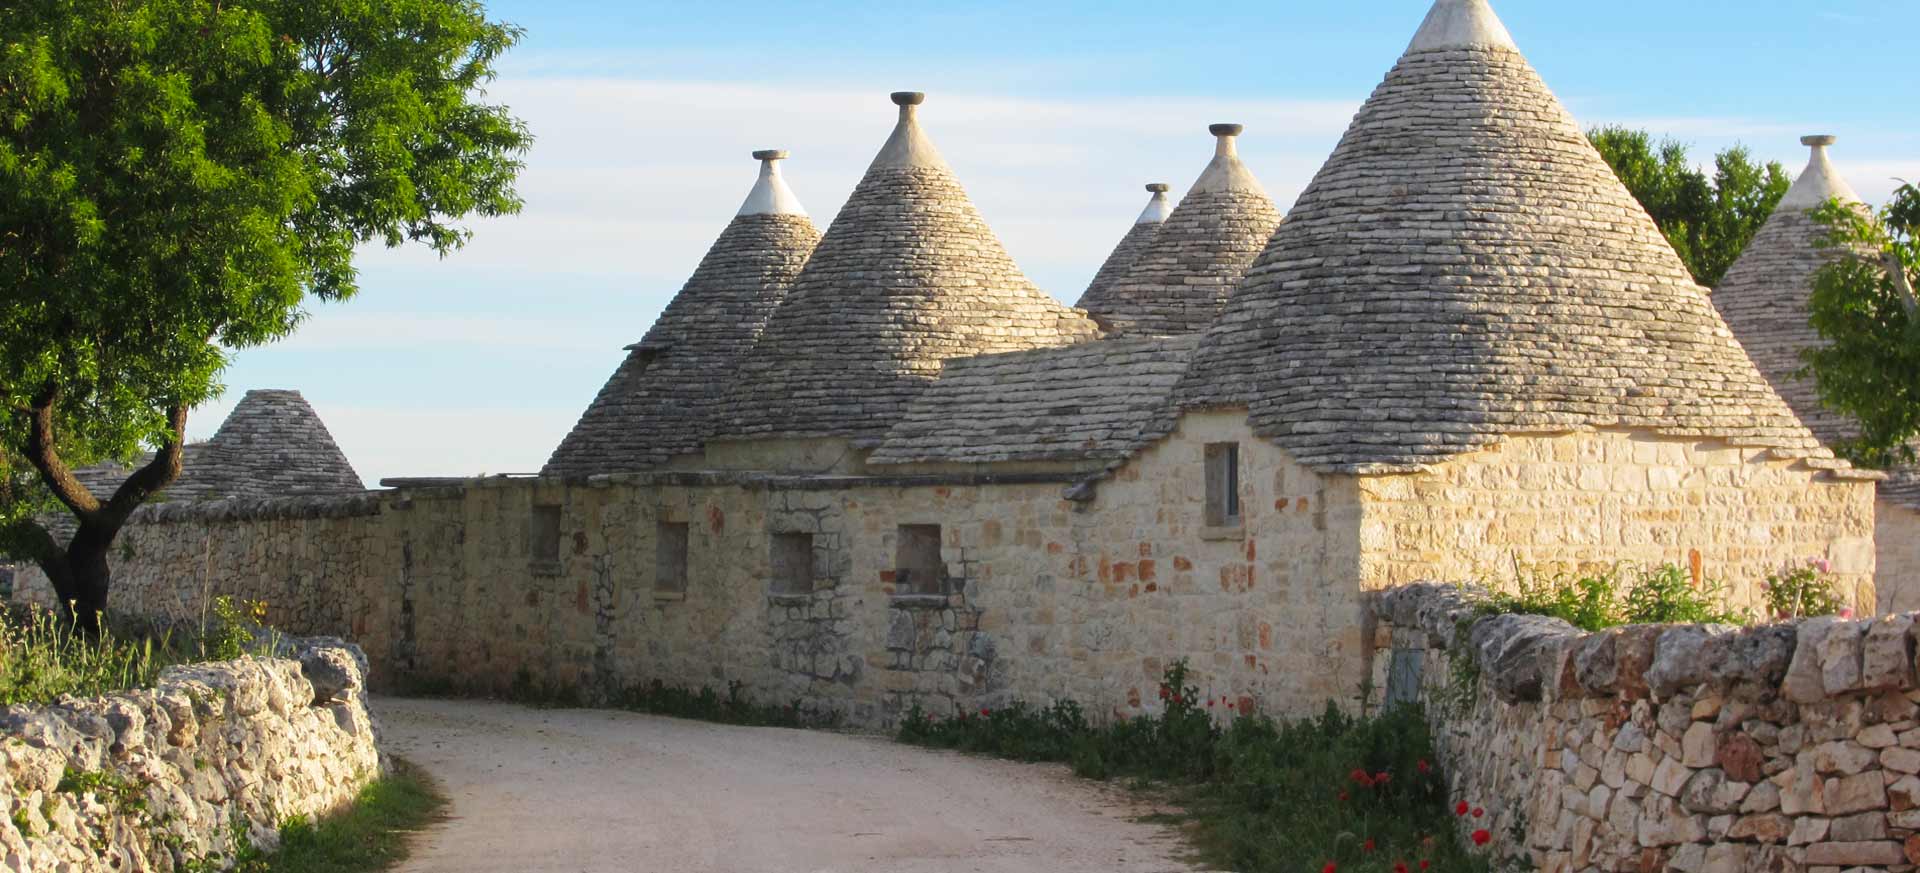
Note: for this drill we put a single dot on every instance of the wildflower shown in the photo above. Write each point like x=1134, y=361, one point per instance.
x=1344, y=797
x=1367, y=846
x=1399, y=867
x=1382, y=778
x=984, y=712
x=1330, y=868
x=1209, y=703
x=1461, y=809
x=1360, y=777
x=1481, y=837
x=1478, y=812
x=1164, y=692
x=1846, y=612
x=1229, y=704
x=1425, y=767
x=1425, y=864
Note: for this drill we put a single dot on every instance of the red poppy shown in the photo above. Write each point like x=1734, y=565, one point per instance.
x=985, y=711
x=1229, y=704
x=1400, y=867
x=1330, y=868
x=1425, y=864
x=1367, y=846
x=1425, y=767
x=1361, y=777
x=1164, y=692
x=1461, y=809
x=1382, y=778
x=1481, y=837
x=1343, y=797
x=1478, y=812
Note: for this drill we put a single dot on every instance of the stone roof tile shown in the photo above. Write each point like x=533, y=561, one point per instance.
x=665, y=398
x=1465, y=266
x=1140, y=235
x=1097, y=402
x=908, y=275
x=1180, y=281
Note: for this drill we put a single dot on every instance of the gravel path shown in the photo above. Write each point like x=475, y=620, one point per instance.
x=569, y=791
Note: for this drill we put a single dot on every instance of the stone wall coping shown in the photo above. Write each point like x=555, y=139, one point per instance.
x=1530, y=658
x=747, y=479
x=259, y=509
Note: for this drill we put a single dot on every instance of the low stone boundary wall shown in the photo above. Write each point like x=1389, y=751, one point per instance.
x=154, y=779
x=1672, y=747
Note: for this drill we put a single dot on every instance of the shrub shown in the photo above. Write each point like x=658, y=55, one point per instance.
x=1362, y=794
x=1620, y=595
x=1803, y=591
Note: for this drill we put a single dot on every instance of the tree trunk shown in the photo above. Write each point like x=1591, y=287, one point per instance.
x=85, y=575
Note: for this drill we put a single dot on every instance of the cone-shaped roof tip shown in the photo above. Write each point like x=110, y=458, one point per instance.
x=908, y=147
x=1820, y=182
x=1226, y=173
x=770, y=194
x=1158, y=206
x=1455, y=24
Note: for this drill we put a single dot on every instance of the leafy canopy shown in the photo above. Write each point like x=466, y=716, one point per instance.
x=1863, y=305
x=1709, y=221
x=178, y=176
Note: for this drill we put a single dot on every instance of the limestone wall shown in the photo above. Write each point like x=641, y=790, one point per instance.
x=154, y=779
x=1685, y=748
x=1579, y=501
x=1897, y=539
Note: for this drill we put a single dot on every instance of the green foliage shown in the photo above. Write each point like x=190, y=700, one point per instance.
x=1870, y=367
x=369, y=836
x=1803, y=591
x=235, y=630
x=178, y=176
x=1618, y=596
x=1709, y=221
x=40, y=660
x=1261, y=795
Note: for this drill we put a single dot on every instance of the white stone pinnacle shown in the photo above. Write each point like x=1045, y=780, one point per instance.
x=1454, y=24
x=1820, y=182
x=1158, y=206
x=1225, y=172
x=908, y=147
x=770, y=194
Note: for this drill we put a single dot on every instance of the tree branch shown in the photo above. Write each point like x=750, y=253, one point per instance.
x=1901, y=283
x=158, y=473
x=40, y=452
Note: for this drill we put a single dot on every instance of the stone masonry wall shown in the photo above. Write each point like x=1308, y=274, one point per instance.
x=1685, y=748
x=212, y=748
x=1897, y=538
x=1587, y=500
x=1049, y=592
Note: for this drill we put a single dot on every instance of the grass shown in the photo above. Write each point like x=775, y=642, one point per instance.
x=370, y=836
x=41, y=660
x=1260, y=795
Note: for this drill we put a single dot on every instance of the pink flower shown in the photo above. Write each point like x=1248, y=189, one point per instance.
x=1846, y=612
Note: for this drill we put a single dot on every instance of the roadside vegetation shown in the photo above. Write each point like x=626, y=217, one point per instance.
x=1332, y=793
x=1667, y=594
x=42, y=658
x=370, y=836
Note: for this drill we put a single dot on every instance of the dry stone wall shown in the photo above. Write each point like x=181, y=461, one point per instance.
x=153, y=780
x=1784, y=747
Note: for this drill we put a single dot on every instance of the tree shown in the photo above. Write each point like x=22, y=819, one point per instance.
x=176, y=178
x=1864, y=306
x=1709, y=221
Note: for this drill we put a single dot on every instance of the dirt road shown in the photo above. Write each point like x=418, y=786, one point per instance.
x=570, y=791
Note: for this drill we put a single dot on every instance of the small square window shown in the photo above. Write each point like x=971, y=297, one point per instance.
x=792, y=560
x=670, y=557
x=917, y=565
x=1223, y=484
x=543, y=536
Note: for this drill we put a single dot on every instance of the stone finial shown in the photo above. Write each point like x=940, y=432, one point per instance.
x=1458, y=24
x=1158, y=206
x=1820, y=182
x=770, y=194
x=1226, y=173
x=908, y=147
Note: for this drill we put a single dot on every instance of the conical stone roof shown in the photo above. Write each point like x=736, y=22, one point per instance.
x=271, y=445
x=1764, y=294
x=1466, y=266
x=906, y=276
x=663, y=399
x=1182, y=279
x=1139, y=236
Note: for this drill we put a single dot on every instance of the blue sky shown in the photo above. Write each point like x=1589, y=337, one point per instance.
x=1052, y=113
